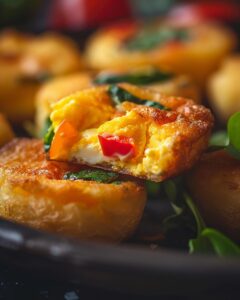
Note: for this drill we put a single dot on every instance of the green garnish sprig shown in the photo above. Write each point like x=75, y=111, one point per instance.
x=93, y=175
x=120, y=95
x=138, y=78
x=206, y=240
x=48, y=134
x=230, y=139
x=152, y=37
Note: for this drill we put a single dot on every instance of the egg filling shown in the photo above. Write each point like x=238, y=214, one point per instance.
x=94, y=128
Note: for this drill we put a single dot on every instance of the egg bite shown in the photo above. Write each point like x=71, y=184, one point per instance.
x=25, y=63
x=224, y=89
x=63, y=198
x=214, y=185
x=195, y=50
x=57, y=88
x=129, y=129
x=6, y=133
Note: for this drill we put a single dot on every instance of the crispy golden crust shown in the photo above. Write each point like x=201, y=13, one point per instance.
x=197, y=57
x=214, y=184
x=6, y=133
x=24, y=59
x=33, y=192
x=167, y=142
x=224, y=89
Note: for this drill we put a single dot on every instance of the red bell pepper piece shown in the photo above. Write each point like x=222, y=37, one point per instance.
x=116, y=146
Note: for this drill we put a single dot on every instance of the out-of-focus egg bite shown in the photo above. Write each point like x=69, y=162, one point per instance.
x=195, y=50
x=154, y=138
x=6, y=133
x=57, y=88
x=35, y=192
x=27, y=61
x=224, y=89
x=214, y=185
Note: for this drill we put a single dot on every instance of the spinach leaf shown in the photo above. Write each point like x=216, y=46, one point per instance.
x=202, y=239
x=233, y=128
x=149, y=38
x=93, y=175
x=138, y=78
x=229, y=141
x=120, y=95
x=212, y=241
x=48, y=133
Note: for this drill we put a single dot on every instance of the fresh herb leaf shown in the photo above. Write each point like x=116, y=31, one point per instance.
x=93, y=175
x=45, y=127
x=198, y=219
x=188, y=221
x=149, y=38
x=120, y=95
x=180, y=225
x=230, y=140
x=138, y=78
x=234, y=130
x=219, y=138
x=212, y=241
x=49, y=134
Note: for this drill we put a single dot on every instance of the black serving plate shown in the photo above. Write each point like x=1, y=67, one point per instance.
x=131, y=269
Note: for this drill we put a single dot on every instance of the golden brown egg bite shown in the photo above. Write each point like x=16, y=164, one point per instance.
x=195, y=50
x=6, y=133
x=60, y=87
x=26, y=62
x=38, y=193
x=224, y=89
x=214, y=186
x=129, y=129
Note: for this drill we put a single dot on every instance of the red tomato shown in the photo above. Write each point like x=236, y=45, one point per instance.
x=77, y=14
x=116, y=146
x=193, y=13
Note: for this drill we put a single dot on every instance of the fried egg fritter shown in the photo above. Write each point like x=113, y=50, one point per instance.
x=129, y=129
x=25, y=63
x=214, y=185
x=196, y=51
x=6, y=133
x=224, y=89
x=43, y=194
x=60, y=87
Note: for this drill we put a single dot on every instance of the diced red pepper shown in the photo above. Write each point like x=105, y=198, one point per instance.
x=116, y=146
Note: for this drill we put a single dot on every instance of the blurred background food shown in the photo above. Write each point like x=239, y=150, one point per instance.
x=224, y=89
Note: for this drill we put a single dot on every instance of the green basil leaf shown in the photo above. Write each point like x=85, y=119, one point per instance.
x=48, y=134
x=138, y=78
x=93, y=175
x=234, y=130
x=149, y=38
x=198, y=218
x=212, y=241
x=120, y=95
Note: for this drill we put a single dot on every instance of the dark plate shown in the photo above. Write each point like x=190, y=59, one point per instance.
x=117, y=267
